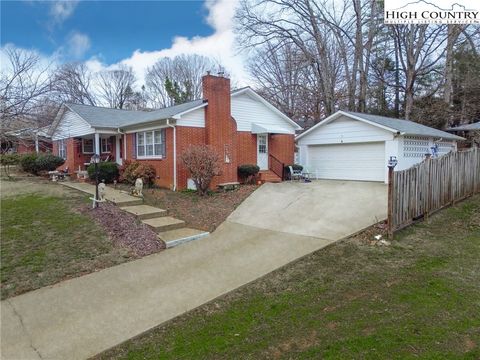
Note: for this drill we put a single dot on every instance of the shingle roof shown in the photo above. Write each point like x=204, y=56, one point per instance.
x=405, y=126
x=114, y=118
x=468, y=127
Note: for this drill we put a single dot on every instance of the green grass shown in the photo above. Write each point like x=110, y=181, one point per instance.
x=416, y=299
x=44, y=240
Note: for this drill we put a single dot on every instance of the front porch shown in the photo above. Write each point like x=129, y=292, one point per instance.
x=79, y=152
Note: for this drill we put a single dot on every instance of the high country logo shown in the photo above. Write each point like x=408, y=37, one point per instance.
x=425, y=12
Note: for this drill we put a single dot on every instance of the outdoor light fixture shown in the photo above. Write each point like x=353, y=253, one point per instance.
x=95, y=159
x=392, y=162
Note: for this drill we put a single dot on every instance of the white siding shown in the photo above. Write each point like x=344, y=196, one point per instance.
x=246, y=111
x=345, y=130
x=195, y=118
x=71, y=125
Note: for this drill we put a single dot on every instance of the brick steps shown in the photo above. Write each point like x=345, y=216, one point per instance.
x=269, y=176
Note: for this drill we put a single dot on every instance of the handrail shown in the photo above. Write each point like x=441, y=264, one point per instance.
x=276, y=166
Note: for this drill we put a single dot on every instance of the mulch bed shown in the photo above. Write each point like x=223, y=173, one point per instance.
x=199, y=212
x=125, y=230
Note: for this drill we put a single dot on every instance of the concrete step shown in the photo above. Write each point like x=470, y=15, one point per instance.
x=145, y=211
x=180, y=236
x=164, y=223
x=123, y=203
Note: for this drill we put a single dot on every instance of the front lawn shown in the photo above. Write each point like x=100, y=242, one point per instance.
x=418, y=298
x=46, y=238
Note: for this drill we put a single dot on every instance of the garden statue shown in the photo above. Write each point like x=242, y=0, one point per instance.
x=101, y=191
x=138, y=191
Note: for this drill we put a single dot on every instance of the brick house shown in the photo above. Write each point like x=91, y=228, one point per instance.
x=240, y=125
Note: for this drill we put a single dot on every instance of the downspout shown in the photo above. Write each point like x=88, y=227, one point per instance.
x=174, y=154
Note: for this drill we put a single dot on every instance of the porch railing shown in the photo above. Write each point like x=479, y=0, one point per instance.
x=277, y=167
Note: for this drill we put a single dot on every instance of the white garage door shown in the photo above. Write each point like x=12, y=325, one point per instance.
x=364, y=161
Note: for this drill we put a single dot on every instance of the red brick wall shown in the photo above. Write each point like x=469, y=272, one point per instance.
x=246, y=148
x=163, y=167
x=282, y=146
x=220, y=127
x=186, y=136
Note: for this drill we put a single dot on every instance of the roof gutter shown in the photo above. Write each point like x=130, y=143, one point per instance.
x=174, y=154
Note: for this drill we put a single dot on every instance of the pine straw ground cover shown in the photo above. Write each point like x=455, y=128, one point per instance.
x=199, y=212
x=49, y=233
x=418, y=298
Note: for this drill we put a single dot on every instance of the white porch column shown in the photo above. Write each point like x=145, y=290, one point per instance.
x=97, y=143
x=37, y=147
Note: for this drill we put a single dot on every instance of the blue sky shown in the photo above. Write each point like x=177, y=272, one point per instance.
x=114, y=28
x=106, y=34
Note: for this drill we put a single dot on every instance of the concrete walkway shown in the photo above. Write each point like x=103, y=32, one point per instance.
x=115, y=196
x=81, y=317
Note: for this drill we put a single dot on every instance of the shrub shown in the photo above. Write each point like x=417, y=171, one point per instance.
x=203, y=163
x=107, y=171
x=136, y=169
x=247, y=172
x=28, y=163
x=48, y=162
x=7, y=160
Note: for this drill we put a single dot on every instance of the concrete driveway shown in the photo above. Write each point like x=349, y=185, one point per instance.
x=324, y=209
x=79, y=318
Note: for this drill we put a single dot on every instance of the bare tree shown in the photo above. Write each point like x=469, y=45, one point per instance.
x=420, y=51
x=116, y=86
x=282, y=74
x=24, y=84
x=73, y=82
x=183, y=73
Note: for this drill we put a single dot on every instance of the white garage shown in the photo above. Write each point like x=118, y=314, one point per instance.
x=356, y=146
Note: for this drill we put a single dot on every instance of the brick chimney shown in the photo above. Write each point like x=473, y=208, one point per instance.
x=220, y=127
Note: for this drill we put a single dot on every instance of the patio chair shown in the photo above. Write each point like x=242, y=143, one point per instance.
x=295, y=174
x=306, y=173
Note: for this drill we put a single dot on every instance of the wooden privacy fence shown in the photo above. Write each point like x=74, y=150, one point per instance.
x=431, y=185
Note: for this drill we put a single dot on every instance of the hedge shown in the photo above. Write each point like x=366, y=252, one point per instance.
x=34, y=163
x=107, y=171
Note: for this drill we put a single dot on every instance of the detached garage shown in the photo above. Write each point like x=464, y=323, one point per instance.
x=356, y=146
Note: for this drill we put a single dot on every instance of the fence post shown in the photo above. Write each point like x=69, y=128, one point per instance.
x=390, y=203
x=428, y=188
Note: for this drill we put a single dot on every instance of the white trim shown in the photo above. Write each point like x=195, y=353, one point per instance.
x=338, y=114
x=154, y=156
x=179, y=115
x=150, y=128
x=83, y=146
x=251, y=92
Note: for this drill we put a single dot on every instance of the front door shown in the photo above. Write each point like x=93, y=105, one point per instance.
x=262, y=151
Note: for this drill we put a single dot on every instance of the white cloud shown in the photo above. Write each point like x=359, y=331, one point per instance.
x=219, y=46
x=78, y=44
x=61, y=11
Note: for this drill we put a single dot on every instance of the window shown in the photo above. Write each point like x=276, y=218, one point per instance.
x=151, y=144
x=262, y=144
x=106, y=145
x=62, y=149
x=87, y=146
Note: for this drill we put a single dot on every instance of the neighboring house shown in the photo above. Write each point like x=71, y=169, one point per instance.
x=356, y=146
x=240, y=125
x=470, y=131
x=27, y=140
